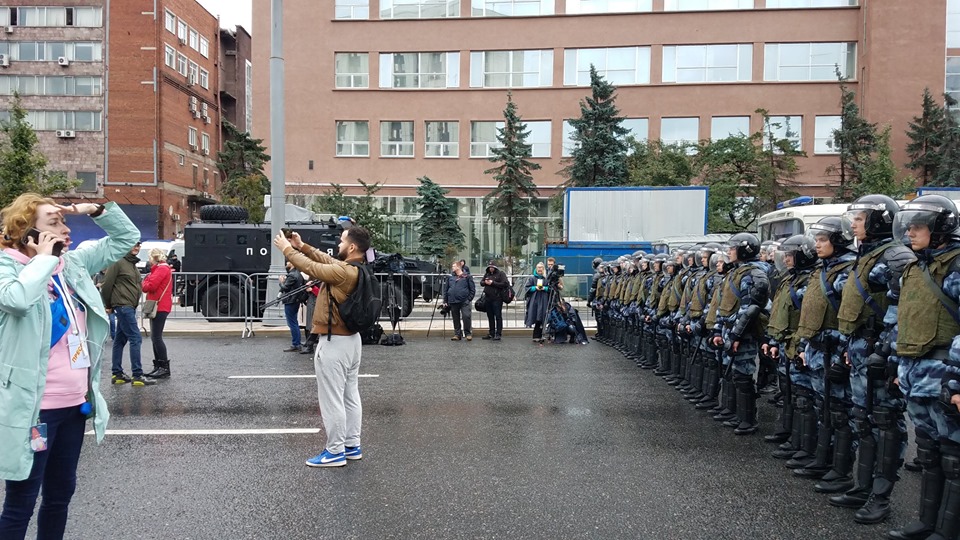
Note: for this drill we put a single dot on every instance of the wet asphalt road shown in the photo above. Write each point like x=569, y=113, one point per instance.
x=461, y=440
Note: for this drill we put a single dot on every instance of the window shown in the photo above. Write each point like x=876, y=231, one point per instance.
x=626, y=65
x=809, y=61
x=809, y=3
x=722, y=127
x=205, y=143
x=41, y=16
x=193, y=73
x=539, y=139
x=88, y=17
x=75, y=120
x=443, y=139
x=420, y=70
x=204, y=79
x=204, y=47
x=419, y=9
x=50, y=86
x=680, y=130
x=823, y=135
x=706, y=5
x=88, y=182
x=196, y=178
x=4, y=16
x=206, y=182
x=707, y=63
x=639, y=128
x=182, y=30
x=353, y=139
x=396, y=139
x=194, y=40
x=784, y=127
x=352, y=70
x=568, y=145
x=953, y=78
x=84, y=52
x=248, y=92
x=170, y=21
x=483, y=138
x=170, y=57
x=953, y=24
x=608, y=6
x=192, y=137
x=182, y=64
x=511, y=69
x=512, y=8
x=352, y=9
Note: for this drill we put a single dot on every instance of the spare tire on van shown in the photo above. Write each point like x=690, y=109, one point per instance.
x=224, y=213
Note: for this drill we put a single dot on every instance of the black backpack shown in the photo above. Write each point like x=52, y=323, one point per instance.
x=361, y=309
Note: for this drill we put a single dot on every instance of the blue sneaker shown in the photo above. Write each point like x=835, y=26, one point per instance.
x=352, y=453
x=326, y=459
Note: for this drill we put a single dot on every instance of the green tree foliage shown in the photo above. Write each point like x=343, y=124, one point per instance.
x=439, y=230
x=926, y=133
x=652, y=163
x=856, y=141
x=364, y=210
x=948, y=173
x=241, y=167
x=23, y=168
x=599, y=157
x=511, y=202
x=880, y=174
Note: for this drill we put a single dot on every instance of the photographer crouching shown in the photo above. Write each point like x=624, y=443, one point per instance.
x=459, y=292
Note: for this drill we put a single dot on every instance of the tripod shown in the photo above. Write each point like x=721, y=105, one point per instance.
x=436, y=301
x=553, y=300
x=395, y=313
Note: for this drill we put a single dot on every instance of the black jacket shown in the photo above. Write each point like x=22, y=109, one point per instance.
x=459, y=289
x=497, y=291
x=293, y=282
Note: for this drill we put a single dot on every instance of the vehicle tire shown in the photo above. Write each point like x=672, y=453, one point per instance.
x=223, y=213
x=402, y=300
x=222, y=302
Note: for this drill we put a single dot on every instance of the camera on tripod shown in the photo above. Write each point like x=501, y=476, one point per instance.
x=389, y=263
x=445, y=310
x=553, y=276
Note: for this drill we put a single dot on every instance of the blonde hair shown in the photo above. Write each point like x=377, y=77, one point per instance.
x=20, y=216
x=157, y=256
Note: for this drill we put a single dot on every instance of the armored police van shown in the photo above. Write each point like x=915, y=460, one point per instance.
x=226, y=261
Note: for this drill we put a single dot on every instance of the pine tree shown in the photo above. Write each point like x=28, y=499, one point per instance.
x=241, y=166
x=440, y=233
x=926, y=135
x=23, y=168
x=599, y=157
x=510, y=203
x=855, y=140
x=364, y=210
x=948, y=174
x=880, y=174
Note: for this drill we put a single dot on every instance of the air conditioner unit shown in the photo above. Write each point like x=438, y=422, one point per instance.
x=204, y=109
x=196, y=114
x=206, y=119
x=206, y=195
x=206, y=151
x=9, y=29
x=191, y=80
x=193, y=147
x=4, y=60
x=66, y=133
x=183, y=41
x=63, y=61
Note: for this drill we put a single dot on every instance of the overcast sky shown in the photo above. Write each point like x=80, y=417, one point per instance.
x=231, y=12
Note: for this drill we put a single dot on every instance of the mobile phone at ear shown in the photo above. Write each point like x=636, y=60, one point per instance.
x=32, y=233
x=57, y=249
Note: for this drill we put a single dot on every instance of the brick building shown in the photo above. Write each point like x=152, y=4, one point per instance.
x=236, y=77
x=390, y=90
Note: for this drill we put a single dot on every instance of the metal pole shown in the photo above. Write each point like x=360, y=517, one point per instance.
x=277, y=154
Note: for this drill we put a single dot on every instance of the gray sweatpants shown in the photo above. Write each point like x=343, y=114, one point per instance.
x=337, y=363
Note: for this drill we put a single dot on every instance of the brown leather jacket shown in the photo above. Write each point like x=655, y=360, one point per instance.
x=339, y=276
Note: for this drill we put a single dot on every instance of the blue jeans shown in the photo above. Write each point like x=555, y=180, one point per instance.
x=55, y=471
x=290, y=311
x=113, y=326
x=127, y=330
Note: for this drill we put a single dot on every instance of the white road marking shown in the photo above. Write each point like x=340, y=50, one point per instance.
x=302, y=431
x=362, y=376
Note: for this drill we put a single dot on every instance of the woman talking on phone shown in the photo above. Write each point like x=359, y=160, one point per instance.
x=52, y=328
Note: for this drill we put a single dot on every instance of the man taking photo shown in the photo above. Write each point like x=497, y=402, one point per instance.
x=337, y=359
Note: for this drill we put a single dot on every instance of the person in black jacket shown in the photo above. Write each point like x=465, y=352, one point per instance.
x=291, y=304
x=459, y=293
x=495, y=285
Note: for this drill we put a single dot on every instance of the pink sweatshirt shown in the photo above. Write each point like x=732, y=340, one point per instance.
x=65, y=387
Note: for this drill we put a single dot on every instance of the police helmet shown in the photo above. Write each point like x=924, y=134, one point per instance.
x=832, y=228
x=935, y=212
x=747, y=244
x=803, y=250
x=596, y=262
x=639, y=254
x=879, y=212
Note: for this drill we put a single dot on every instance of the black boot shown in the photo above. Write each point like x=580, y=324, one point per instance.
x=711, y=382
x=791, y=446
x=948, y=519
x=728, y=398
x=808, y=431
x=931, y=492
x=163, y=372
x=786, y=416
x=156, y=368
x=839, y=479
x=821, y=462
x=866, y=464
x=746, y=406
x=877, y=507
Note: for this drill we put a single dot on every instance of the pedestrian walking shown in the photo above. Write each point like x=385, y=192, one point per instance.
x=159, y=288
x=457, y=297
x=337, y=361
x=291, y=304
x=538, y=298
x=495, y=285
x=121, y=293
x=52, y=327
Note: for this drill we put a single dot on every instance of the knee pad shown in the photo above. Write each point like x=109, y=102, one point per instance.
x=950, y=460
x=839, y=419
x=886, y=418
x=859, y=416
x=928, y=451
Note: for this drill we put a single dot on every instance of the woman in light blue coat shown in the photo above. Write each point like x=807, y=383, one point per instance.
x=52, y=329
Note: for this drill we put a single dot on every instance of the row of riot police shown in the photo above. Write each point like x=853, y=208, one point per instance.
x=860, y=320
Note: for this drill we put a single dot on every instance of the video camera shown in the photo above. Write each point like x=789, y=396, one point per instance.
x=554, y=274
x=389, y=263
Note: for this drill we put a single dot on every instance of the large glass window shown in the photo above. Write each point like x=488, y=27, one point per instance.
x=809, y=61
x=89, y=17
x=608, y=6
x=443, y=139
x=192, y=137
x=75, y=120
x=785, y=127
x=622, y=65
x=352, y=9
x=353, y=139
x=204, y=47
x=511, y=69
x=706, y=5
x=953, y=78
x=483, y=138
x=420, y=70
x=707, y=63
x=352, y=70
x=512, y=8
x=170, y=21
x=194, y=40
x=182, y=30
x=539, y=138
x=809, y=3
x=722, y=127
x=205, y=143
x=953, y=24
x=182, y=64
x=637, y=128
x=34, y=51
x=680, y=130
x=204, y=78
x=88, y=181
x=396, y=139
x=823, y=135
x=419, y=9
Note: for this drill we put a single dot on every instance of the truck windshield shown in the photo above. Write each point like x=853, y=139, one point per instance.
x=779, y=230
